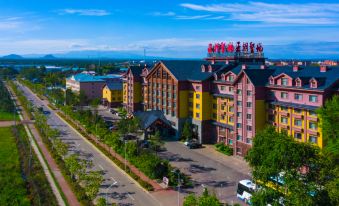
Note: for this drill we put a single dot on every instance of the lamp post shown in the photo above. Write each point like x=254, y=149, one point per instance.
x=125, y=154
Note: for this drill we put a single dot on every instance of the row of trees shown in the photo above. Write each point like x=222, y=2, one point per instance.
x=6, y=103
x=78, y=168
x=310, y=174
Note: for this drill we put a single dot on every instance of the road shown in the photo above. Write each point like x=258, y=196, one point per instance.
x=207, y=167
x=117, y=186
x=219, y=176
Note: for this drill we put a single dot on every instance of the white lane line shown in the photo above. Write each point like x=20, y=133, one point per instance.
x=130, y=196
x=101, y=167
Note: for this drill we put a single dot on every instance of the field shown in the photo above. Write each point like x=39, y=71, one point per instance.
x=12, y=186
x=6, y=116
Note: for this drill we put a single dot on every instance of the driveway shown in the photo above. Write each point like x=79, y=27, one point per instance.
x=208, y=168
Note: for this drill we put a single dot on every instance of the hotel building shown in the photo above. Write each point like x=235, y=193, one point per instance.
x=228, y=97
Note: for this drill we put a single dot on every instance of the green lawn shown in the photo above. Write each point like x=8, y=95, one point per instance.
x=7, y=116
x=12, y=186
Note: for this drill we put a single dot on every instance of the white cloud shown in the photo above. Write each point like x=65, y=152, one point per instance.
x=309, y=13
x=85, y=12
x=170, y=13
x=192, y=17
x=10, y=23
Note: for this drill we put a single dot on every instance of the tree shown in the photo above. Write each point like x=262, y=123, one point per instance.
x=329, y=123
x=101, y=202
x=204, y=200
x=82, y=98
x=122, y=112
x=60, y=147
x=92, y=182
x=76, y=167
x=276, y=154
x=157, y=141
x=187, y=133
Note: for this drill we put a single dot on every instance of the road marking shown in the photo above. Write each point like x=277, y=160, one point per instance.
x=130, y=196
x=101, y=167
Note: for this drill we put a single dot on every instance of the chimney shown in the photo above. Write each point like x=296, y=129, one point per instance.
x=323, y=68
x=263, y=66
x=295, y=68
x=244, y=66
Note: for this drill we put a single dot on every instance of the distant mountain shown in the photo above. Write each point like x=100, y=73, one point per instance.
x=12, y=56
x=95, y=54
x=48, y=56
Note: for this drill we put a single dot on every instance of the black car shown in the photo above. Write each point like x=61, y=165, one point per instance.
x=193, y=145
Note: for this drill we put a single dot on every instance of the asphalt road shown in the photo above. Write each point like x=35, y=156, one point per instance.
x=117, y=186
x=205, y=171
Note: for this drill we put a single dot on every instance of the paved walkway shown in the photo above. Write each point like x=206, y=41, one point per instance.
x=66, y=189
x=6, y=123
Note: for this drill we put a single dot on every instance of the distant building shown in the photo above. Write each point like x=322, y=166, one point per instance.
x=330, y=63
x=112, y=94
x=91, y=85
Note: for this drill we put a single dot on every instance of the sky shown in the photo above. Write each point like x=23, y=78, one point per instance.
x=173, y=28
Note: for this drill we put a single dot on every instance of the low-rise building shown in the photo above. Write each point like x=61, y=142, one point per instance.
x=112, y=94
x=89, y=84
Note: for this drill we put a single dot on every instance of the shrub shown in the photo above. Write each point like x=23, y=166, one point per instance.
x=225, y=149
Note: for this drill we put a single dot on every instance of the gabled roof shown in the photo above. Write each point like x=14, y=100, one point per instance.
x=189, y=69
x=149, y=117
x=91, y=78
x=136, y=70
x=259, y=77
x=326, y=79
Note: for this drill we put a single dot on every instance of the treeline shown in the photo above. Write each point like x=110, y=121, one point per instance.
x=6, y=103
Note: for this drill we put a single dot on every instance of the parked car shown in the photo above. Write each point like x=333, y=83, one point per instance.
x=187, y=142
x=193, y=144
x=46, y=112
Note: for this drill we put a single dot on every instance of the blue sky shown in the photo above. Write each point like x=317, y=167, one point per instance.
x=175, y=28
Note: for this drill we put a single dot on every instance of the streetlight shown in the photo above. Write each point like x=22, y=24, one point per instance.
x=114, y=183
x=125, y=154
x=178, y=172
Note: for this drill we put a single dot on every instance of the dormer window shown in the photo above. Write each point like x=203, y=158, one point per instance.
x=284, y=81
x=215, y=77
x=223, y=77
x=210, y=69
x=298, y=82
x=230, y=78
x=271, y=80
x=203, y=69
x=313, y=83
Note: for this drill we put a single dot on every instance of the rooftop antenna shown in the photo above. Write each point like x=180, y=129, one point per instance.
x=144, y=54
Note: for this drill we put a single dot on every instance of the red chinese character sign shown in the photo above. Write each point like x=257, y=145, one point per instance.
x=241, y=49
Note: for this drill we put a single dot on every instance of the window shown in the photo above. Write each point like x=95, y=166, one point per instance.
x=239, y=137
x=214, y=106
x=230, y=89
x=190, y=104
x=312, y=125
x=297, y=135
x=238, y=125
x=248, y=140
x=174, y=87
x=197, y=87
x=238, y=114
x=298, y=111
x=231, y=119
x=238, y=150
x=282, y=108
x=230, y=78
x=214, y=115
x=230, y=141
x=239, y=103
x=197, y=96
x=197, y=115
x=249, y=104
x=284, y=81
x=297, y=122
x=284, y=95
x=313, y=98
x=173, y=113
x=174, y=96
x=239, y=91
x=249, y=128
x=197, y=106
x=249, y=116
x=313, y=139
x=190, y=95
x=249, y=93
x=231, y=109
x=222, y=117
x=174, y=104
x=298, y=96
x=283, y=120
x=312, y=113
x=222, y=88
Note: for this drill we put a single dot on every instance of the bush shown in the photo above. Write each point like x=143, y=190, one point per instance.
x=225, y=149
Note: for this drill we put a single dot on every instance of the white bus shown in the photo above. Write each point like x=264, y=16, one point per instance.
x=245, y=189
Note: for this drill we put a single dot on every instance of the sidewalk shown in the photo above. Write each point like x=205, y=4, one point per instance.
x=66, y=189
x=7, y=123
